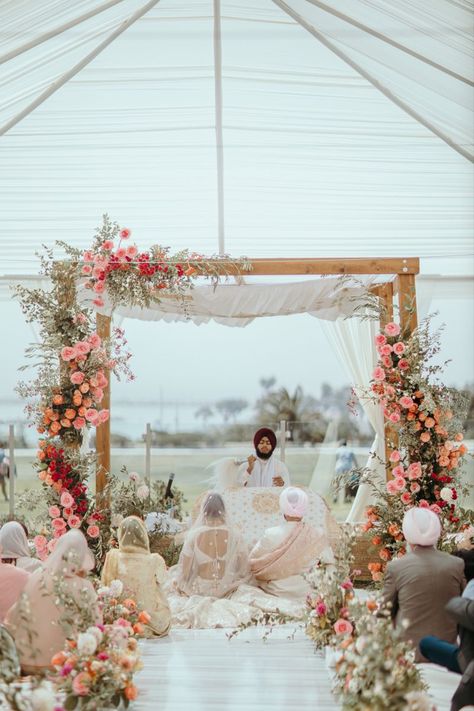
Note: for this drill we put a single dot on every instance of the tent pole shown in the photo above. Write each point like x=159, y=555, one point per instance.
x=218, y=120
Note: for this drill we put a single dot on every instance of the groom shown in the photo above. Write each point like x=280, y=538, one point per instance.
x=263, y=468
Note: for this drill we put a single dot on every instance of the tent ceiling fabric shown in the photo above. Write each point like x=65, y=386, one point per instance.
x=317, y=161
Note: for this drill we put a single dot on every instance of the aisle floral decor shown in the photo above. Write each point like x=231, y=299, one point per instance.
x=115, y=607
x=73, y=362
x=426, y=449
x=328, y=613
x=376, y=670
x=96, y=670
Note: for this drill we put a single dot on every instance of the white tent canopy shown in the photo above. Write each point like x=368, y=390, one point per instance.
x=261, y=127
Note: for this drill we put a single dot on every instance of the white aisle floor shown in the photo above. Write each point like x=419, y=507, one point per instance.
x=201, y=670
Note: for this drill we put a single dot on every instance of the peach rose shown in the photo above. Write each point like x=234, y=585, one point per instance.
x=342, y=626
x=406, y=401
x=131, y=692
x=70, y=413
x=77, y=377
x=81, y=684
x=425, y=437
x=144, y=617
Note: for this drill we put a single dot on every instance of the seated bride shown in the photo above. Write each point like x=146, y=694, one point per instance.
x=285, y=552
x=214, y=558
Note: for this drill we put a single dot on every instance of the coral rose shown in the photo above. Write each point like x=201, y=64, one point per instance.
x=406, y=401
x=425, y=437
x=342, y=626
x=144, y=617
x=131, y=692
x=125, y=233
x=108, y=245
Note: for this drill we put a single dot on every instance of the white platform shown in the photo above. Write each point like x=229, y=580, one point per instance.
x=201, y=670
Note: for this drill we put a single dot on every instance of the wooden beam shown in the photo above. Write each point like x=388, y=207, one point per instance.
x=406, y=289
x=385, y=293
x=103, y=431
x=362, y=265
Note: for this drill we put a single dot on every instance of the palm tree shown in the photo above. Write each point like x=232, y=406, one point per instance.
x=296, y=408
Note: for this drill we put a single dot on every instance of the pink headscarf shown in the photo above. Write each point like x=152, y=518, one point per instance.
x=421, y=527
x=293, y=502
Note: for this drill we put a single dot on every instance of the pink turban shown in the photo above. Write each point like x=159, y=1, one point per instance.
x=293, y=502
x=421, y=527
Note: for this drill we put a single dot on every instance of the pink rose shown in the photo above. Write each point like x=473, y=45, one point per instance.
x=125, y=233
x=395, y=456
x=77, y=377
x=406, y=401
x=321, y=609
x=392, y=329
x=435, y=508
x=68, y=353
x=378, y=374
x=51, y=545
x=79, y=423
x=342, y=626
x=81, y=684
x=414, y=470
x=101, y=261
x=398, y=471
x=93, y=531
x=68, y=511
x=425, y=437
x=74, y=521
x=122, y=622
x=40, y=543
x=387, y=362
x=380, y=340
x=82, y=347
x=385, y=350
x=108, y=245
x=394, y=417
x=99, y=287
x=58, y=523
x=392, y=487
x=399, y=483
x=88, y=256
x=414, y=487
x=399, y=348
x=87, y=269
x=121, y=253
x=98, y=302
x=98, y=394
x=54, y=512
x=67, y=500
x=103, y=415
x=403, y=364
x=405, y=498
x=423, y=504
x=58, y=532
x=95, y=340
x=101, y=379
x=132, y=251
x=91, y=414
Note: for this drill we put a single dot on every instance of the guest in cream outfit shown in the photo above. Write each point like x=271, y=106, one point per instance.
x=421, y=583
x=141, y=572
x=285, y=552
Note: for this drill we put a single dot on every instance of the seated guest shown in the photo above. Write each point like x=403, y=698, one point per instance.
x=14, y=547
x=214, y=558
x=141, y=572
x=263, y=468
x=49, y=621
x=420, y=584
x=462, y=610
x=437, y=650
x=285, y=552
x=12, y=582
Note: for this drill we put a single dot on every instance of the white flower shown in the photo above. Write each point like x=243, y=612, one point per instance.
x=116, y=588
x=446, y=493
x=43, y=698
x=142, y=492
x=86, y=643
x=104, y=591
x=134, y=476
x=116, y=520
x=95, y=632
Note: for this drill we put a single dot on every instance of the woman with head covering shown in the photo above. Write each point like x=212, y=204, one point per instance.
x=12, y=582
x=214, y=559
x=56, y=601
x=285, y=552
x=14, y=547
x=141, y=572
x=263, y=468
x=419, y=585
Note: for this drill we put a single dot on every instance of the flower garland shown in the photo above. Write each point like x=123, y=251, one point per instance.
x=425, y=448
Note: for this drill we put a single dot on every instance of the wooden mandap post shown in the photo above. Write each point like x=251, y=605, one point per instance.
x=103, y=430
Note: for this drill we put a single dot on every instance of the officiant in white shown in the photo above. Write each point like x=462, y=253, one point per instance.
x=263, y=468
x=285, y=552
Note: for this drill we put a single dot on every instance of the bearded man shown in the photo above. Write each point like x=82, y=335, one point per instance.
x=263, y=468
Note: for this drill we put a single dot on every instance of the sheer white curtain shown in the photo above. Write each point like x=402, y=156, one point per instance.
x=353, y=341
x=324, y=467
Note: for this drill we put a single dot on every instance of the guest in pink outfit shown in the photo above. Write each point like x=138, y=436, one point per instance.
x=12, y=582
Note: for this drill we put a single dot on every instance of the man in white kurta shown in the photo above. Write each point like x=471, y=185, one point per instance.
x=263, y=468
x=285, y=552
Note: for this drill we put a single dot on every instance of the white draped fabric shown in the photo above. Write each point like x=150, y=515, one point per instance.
x=343, y=127
x=240, y=304
x=353, y=341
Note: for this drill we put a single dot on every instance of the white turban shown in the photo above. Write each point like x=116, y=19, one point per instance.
x=293, y=502
x=421, y=527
